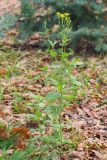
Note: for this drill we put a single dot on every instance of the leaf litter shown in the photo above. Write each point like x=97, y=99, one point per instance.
x=84, y=122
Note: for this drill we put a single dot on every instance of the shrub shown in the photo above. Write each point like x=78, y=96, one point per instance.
x=29, y=22
x=7, y=21
x=89, y=21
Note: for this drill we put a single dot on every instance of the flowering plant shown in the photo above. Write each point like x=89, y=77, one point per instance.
x=64, y=19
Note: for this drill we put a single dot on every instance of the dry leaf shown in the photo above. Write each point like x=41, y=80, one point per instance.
x=20, y=144
x=22, y=131
x=64, y=157
x=74, y=72
x=12, y=32
x=36, y=37
x=10, y=151
x=3, y=133
x=3, y=71
x=35, y=73
x=2, y=114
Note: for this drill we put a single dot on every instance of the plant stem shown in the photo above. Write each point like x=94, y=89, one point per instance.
x=61, y=105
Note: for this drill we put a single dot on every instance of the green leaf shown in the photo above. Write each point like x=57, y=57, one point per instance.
x=2, y=158
x=53, y=53
x=52, y=96
x=60, y=87
x=65, y=55
x=55, y=110
x=45, y=68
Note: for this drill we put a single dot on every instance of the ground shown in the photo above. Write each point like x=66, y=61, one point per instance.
x=9, y=6
x=23, y=85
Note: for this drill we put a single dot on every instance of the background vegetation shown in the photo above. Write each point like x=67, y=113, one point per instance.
x=89, y=22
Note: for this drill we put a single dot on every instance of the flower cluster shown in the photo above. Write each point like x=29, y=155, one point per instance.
x=63, y=15
x=64, y=19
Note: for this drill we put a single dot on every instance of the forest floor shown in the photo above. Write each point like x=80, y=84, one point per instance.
x=23, y=87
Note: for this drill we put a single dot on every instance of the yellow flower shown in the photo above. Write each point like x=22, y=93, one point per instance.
x=64, y=19
x=63, y=15
x=58, y=13
x=66, y=14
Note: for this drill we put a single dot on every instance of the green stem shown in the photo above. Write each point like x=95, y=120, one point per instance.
x=60, y=117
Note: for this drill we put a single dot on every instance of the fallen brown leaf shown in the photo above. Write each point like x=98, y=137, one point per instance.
x=21, y=131
x=3, y=71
